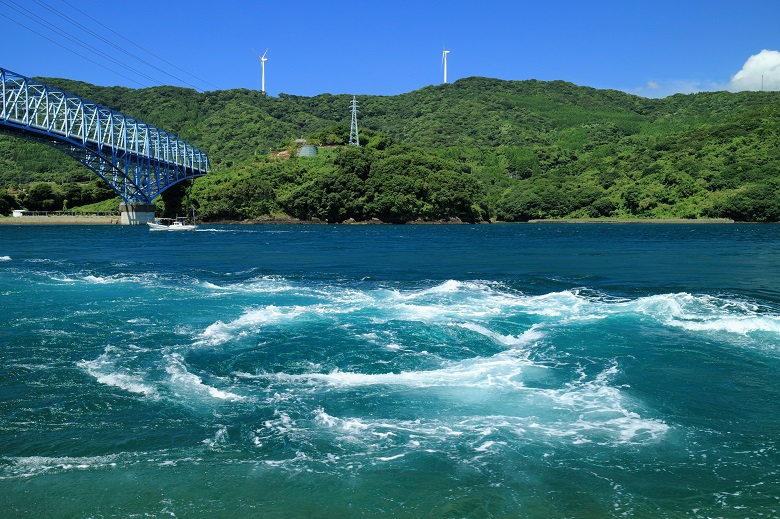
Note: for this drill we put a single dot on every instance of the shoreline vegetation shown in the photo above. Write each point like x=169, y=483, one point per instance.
x=113, y=220
x=478, y=149
x=637, y=220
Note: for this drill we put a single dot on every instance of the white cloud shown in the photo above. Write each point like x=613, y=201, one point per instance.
x=650, y=89
x=761, y=70
x=660, y=89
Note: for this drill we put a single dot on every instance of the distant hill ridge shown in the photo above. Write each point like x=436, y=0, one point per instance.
x=460, y=113
x=538, y=149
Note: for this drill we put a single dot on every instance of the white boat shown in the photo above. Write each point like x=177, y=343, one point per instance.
x=170, y=224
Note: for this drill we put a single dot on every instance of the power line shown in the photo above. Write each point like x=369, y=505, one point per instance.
x=114, y=45
x=71, y=50
x=51, y=28
x=29, y=14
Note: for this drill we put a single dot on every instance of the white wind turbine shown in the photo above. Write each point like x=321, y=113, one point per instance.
x=444, y=62
x=263, y=59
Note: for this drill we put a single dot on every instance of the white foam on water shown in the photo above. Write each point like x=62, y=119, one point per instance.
x=212, y=286
x=391, y=458
x=737, y=325
x=586, y=410
x=351, y=298
x=696, y=313
x=5, y=258
x=599, y=407
x=99, y=280
x=106, y=369
x=387, y=439
x=440, y=305
x=146, y=279
x=30, y=466
x=703, y=313
x=500, y=370
x=448, y=287
x=555, y=304
x=471, y=305
x=151, y=279
x=251, y=321
x=220, y=438
x=62, y=278
x=348, y=426
x=282, y=423
x=188, y=385
x=527, y=338
x=424, y=313
x=265, y=284
x=488, y=445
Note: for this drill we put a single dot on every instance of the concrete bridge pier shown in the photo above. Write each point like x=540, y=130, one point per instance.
x=136, y=214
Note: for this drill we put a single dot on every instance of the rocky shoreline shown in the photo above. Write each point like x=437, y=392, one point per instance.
x=617, y=220
x=114, y=220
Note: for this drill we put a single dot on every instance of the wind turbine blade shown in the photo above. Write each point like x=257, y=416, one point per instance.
x=256, y=54
x=264, y=53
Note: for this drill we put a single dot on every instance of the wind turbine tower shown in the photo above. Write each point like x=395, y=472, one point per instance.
x=444, y=62
x=263, y=59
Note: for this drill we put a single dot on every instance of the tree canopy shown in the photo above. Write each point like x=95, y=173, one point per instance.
x=472, y=150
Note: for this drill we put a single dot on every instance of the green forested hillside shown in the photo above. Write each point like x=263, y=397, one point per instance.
x=475, y=149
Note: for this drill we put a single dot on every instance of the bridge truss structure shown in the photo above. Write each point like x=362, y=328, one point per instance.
x=136, y=159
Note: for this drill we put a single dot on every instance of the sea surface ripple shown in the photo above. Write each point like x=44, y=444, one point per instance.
x=546, y=370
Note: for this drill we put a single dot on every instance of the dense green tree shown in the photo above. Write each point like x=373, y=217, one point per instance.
x=756, y=203
x=43, y=196
x=478, y=148
x=8, y=203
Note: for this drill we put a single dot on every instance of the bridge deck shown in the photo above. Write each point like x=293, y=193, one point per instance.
x=137, y=159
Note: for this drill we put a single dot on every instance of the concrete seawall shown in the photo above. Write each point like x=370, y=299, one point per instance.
x=59, y=220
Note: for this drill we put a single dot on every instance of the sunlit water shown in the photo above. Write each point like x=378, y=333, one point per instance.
x=390, y=371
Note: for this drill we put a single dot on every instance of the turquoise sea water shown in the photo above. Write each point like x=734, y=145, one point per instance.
x=390, y=371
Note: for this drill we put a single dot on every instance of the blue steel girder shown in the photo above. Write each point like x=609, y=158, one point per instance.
x=137, y=160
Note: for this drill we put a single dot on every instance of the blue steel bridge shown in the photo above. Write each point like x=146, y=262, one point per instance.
x=136, y=159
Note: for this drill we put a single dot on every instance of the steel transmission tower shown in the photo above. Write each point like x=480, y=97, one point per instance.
x=354, y=140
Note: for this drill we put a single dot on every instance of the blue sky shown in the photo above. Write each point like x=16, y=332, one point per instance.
x=652, y=49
